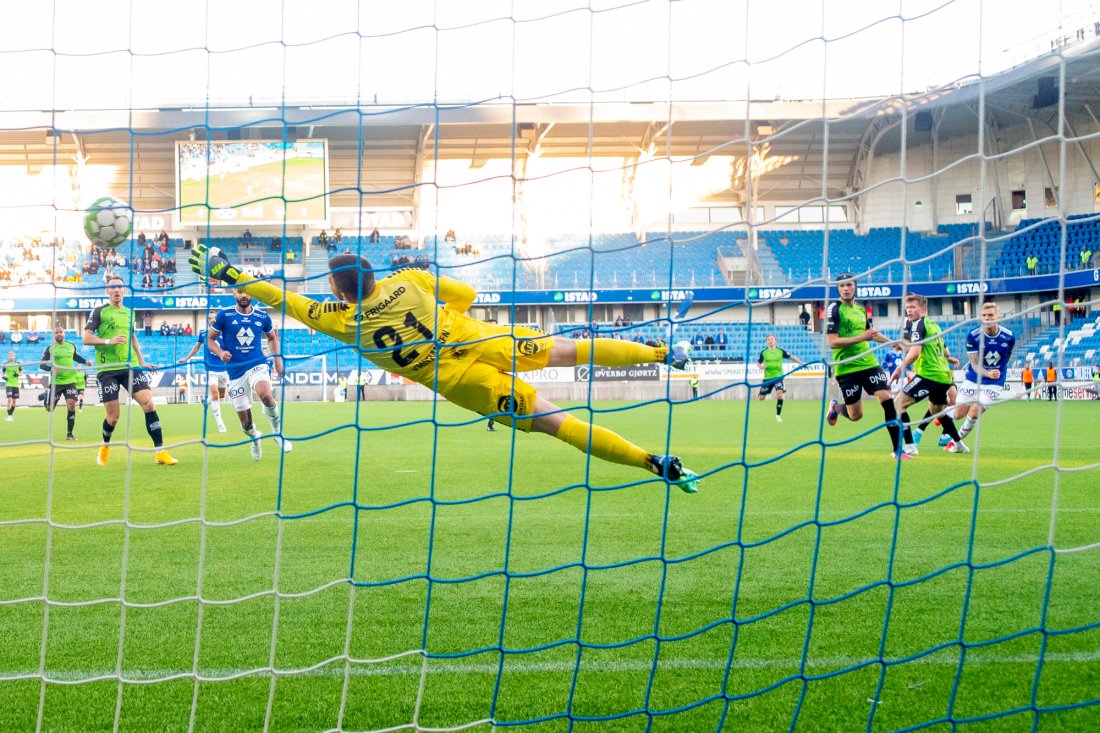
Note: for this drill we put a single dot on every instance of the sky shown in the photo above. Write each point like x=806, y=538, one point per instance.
x=118, y=54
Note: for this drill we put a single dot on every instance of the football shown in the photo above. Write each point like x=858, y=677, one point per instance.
x=108, y=222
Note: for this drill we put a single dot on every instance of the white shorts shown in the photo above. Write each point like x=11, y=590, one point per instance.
x=985, y=394
x=240, y=389
x=217, y=379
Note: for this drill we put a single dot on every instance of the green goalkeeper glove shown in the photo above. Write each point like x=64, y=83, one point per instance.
x=212, y=262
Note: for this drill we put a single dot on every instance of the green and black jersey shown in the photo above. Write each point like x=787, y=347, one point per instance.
x=847, y=321
x=12, y=370
x=932, y=363
x=107, y=321
x=58, y=358
x=772, y=360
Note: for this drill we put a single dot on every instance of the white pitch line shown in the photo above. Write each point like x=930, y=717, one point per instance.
x=362, y=668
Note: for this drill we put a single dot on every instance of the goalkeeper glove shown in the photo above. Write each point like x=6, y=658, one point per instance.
x=212, y=262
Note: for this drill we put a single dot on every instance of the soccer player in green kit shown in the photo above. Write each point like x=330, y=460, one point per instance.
x=847, y=330
x=58, y=360
x=12, y=370
x=110, y=329
x=932, y=367
x=771, y=360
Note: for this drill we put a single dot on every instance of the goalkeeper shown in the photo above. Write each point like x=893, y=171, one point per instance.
x=414, y=324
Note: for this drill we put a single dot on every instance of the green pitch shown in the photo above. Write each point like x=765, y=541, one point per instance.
x=517, y=536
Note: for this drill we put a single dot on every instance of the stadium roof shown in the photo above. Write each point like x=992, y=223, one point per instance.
x=833, y=136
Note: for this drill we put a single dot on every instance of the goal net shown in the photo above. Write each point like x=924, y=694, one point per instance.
x=657, y=172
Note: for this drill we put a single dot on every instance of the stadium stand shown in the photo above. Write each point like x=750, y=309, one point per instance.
x=798, y=253
x=1042, y=238
x=1079, y=346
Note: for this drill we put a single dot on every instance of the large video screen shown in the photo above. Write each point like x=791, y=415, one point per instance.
x=253, y=182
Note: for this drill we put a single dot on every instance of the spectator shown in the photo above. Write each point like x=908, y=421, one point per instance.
x=147, y=320
x=162, y=281
x=322, y=239
x=16, y=336
x=337, y=236
x=276, y=243
x=804, y=318
x=1052, y=382
x=32, y=337
x=169, y=281
x=187, y=330
x=290, y=256
x=709, y=342
x=3, y=337
x=698, y=342
x=450, y=236
x=141, y=238
x=147, y=281
x=1085, y=255
x=721, y=341
x=164, y=328
x=174, y=330
x=1032, y=263
x=375, y=236
x=163, y=238
x=247, y=236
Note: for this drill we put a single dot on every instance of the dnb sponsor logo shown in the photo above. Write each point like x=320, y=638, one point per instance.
x=967, y=288
x=769, y=293
x=576, y=296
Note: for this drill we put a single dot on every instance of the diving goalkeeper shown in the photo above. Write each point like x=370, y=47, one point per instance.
x=414, y=324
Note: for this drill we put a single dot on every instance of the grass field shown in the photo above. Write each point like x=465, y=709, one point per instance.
x=812, y=592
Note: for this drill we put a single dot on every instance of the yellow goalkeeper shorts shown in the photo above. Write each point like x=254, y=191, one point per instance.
x=487, y=387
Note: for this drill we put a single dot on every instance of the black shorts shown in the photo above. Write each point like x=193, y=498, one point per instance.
x=920, y=387
x=13, y=393
x=110, y=382
x=772, y=384
x=854, y=384
x=64, y=391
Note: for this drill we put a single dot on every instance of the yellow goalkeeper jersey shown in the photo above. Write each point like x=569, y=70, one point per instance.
x=398, y=326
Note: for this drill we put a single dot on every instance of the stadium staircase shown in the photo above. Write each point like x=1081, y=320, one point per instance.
x=770, y=271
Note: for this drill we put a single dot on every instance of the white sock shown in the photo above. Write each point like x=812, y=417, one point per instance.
x=967, y=426
x=273, y=415
x=216, y=408
x=252, y=432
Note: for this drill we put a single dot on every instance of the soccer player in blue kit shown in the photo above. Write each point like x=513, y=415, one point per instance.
x=239, y=329
x=217, y=378
x=989, y=347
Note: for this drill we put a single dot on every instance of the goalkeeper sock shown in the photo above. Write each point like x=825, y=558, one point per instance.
x=10, y=411
x=108, y=431
x=70, y=420
x=273, y=417
x=613, y=352
x=968, y=425
x=605, y=445
x=152, y=426
x=779, y=407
